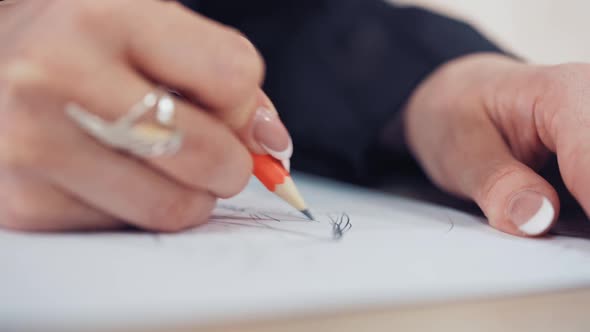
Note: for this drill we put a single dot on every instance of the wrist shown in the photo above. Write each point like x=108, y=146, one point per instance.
x=467, y=83
x=473, y=80
x=464, y=80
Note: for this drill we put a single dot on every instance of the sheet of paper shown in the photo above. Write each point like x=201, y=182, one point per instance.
x=257, y=258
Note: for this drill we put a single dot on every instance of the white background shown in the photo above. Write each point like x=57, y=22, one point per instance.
x=545, y=31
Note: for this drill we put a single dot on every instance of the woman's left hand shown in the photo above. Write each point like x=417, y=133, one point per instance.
x=482, y=125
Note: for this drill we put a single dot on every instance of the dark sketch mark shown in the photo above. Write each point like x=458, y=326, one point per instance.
x=340, y=226
x=256, y=214
x=270, y=217
x=452, y=224
x=269, y=227
x=156, y=238
x=232, y=208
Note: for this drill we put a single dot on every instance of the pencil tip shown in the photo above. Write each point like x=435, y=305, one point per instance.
x=308, y=214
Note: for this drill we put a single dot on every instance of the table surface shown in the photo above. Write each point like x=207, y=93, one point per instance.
x=521, y=26
x=544, y=31
x=562, y=311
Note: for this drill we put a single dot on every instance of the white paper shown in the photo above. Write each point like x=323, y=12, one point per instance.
x=246, y=265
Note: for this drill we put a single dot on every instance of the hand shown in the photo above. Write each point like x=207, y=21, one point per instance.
x=106, y=55
x=481, y=125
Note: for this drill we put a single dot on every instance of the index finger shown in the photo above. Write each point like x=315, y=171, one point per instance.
x=215, y=65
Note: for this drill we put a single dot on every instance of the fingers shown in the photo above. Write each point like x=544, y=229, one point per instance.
x=127, y=189
x=52, y=148
x=29, y=204
x=513, y=197
x=573, y=154
x=211, y=157
x=130, y=191
x=561, y=103
x=165, y=44
x=266, y=133
x=214, y=64
x=466, y=155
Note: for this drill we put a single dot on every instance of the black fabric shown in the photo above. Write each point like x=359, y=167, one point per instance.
x=339, y=70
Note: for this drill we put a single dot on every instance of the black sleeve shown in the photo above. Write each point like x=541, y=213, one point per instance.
x=339, y=70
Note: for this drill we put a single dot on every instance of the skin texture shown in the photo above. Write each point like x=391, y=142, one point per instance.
x=480, y=125
x=55, y=177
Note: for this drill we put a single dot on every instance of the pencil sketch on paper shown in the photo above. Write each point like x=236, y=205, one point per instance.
x=337, y=225
x=340, y=225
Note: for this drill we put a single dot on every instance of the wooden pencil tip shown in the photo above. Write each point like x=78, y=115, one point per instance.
x=308, y=214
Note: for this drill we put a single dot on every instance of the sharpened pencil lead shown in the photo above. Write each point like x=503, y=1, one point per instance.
x=308, y=214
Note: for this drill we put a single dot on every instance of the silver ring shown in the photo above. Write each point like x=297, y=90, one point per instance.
x=131, y=133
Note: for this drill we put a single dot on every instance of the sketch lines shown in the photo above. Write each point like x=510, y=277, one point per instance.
x=337, y=225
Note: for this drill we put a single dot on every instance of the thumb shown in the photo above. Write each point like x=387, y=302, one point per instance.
x=265, y=133
x=468, y=150
x=514, y=198
x=465, y=154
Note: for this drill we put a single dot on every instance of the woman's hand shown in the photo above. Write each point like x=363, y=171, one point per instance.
x=481, y=125
x=106, y=55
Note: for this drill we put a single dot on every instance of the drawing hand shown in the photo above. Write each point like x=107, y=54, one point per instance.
x=480, y=126
x=106, y=55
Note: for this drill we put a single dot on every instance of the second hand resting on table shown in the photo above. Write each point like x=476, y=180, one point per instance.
x=480, y=125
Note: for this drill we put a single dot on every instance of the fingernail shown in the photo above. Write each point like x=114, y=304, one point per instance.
x=531, y=212
x=272, y=135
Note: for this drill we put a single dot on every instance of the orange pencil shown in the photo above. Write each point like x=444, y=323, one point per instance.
x=277, y=179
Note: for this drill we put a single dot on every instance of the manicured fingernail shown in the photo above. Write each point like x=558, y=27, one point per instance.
x=272, y=135
x=286, y=164
x=531, y=212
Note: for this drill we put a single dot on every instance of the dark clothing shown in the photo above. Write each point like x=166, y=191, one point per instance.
x=339, y=70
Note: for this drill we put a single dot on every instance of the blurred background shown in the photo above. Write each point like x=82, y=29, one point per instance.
x=543, y=31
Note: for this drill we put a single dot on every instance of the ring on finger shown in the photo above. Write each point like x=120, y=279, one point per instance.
x=158, y=136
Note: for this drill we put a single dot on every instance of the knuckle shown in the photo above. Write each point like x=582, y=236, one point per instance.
x=93, y=15
x=202, y=163
x=23, y=78
x=95, y=11
x=565, y=87
x=22, y=135
x=20, y=74
x=203, y=211
x=236, y=178
x=171, y=215
x=573, y=163
x=223, y=163
x=242, y=66
x=174, y=6
x=493, y=183
x=21, y=145
x=180, y=213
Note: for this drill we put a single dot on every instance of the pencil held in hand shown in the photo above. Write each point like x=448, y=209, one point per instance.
x=277, y=179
